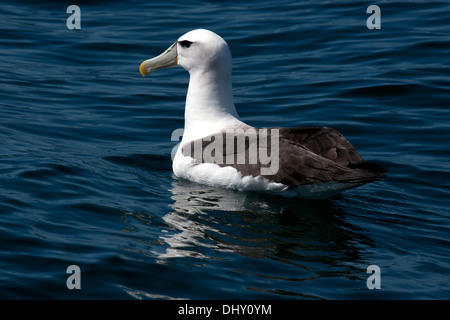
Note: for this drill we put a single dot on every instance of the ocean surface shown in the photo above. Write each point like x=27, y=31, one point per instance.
x=85, y=152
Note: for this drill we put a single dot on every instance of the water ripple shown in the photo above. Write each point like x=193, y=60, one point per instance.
x=85, y=171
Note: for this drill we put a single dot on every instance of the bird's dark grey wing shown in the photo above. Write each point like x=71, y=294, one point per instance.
x=305, y=155
x=325, y=142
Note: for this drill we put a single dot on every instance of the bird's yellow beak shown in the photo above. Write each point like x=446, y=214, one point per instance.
x=167, y=59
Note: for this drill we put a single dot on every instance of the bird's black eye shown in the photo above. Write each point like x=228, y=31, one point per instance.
x=185, y=43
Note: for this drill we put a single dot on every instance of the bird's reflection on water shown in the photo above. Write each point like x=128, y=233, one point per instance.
x=207, y=221
x=264, y=243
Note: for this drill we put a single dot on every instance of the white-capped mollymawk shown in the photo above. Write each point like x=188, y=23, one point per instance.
x=219, y=149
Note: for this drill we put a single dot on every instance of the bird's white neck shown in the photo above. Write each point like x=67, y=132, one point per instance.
x=209, y=105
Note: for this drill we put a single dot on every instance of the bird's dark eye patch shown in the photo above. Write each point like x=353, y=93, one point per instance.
x=185, y=43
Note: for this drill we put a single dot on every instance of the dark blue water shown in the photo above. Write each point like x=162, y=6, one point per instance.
x=85, y=143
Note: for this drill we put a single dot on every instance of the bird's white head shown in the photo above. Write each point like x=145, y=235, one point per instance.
x=209, y=101
x=204, y=51
x=198, y=51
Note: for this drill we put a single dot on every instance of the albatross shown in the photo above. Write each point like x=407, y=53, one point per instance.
x=219, y=149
